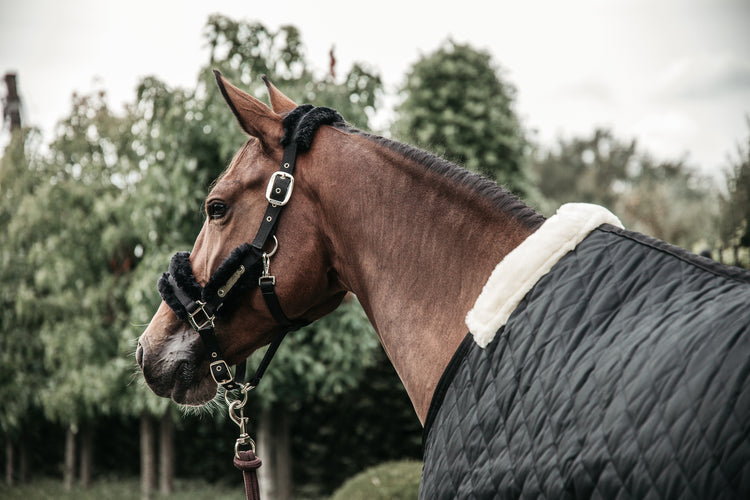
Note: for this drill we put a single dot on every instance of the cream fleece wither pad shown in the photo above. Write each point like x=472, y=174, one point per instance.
x=519, y=271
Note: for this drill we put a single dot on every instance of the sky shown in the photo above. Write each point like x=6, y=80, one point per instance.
x=673, y=74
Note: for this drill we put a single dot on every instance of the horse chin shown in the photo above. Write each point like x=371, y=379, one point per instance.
x=189, y=394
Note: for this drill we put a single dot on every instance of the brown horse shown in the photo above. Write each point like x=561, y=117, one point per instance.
x=412, y=236
x=600, y=362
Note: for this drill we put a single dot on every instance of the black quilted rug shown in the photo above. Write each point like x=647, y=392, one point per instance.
x=623, y=373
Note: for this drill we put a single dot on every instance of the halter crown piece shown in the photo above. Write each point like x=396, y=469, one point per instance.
x=247, y=266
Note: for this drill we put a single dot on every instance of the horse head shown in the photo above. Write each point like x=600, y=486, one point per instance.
x=174, y=360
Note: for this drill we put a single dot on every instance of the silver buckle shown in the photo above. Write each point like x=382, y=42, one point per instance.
x=205, y=321
x=221, y=366
x=272, y=190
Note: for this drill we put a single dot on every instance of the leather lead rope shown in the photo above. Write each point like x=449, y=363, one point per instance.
x=248, y=463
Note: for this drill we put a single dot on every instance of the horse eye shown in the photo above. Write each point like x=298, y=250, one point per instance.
x=216, y=210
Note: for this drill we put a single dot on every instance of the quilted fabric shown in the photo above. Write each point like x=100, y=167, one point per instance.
x=623, y=373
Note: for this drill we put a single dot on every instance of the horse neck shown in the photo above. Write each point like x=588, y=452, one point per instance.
x=416, y=248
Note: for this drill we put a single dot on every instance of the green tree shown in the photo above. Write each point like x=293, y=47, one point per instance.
x=665, y=199
x=588, y=170
x=735, y=203
x=244, y=51
x=457, y=104
x=21, y=348
x=81, y=264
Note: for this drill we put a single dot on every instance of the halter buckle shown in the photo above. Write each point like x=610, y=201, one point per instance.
x=200, y=323
x=278, y=193
x=220, y=372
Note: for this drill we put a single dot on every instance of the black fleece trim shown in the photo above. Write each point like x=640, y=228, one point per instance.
x=301, y=124
x=182, y=272
x=167, y=294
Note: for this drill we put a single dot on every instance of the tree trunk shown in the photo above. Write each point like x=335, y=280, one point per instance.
x=274, y=448
x=148, y=459
x=283, y=454
x=69, y=467
x=737, y=255
x=8, y=460
x=87, y=457
x=23, y=463
x=166, y=454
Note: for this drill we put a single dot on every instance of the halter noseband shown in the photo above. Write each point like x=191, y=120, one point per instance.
x=247, y=266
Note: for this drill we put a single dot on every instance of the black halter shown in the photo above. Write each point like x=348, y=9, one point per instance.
x=247, y=265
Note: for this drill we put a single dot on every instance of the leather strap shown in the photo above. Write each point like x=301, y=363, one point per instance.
x=273, y=211
x=249, y=464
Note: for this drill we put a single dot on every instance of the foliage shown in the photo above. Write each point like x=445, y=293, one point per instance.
x=21, y=347
x=391, y=480
x=244, y=51
x=81, y=210
x=340, y=437
x=667, y=200
x=457, y=103
x=322, y=360
x=735, y=206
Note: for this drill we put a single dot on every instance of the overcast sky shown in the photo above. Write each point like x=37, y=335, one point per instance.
x=675, y=74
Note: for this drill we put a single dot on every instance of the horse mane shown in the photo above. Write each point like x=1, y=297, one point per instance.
x=481, y=186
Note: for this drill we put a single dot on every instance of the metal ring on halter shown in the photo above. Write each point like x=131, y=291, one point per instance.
x=232, y=413
x=275, y=247
x=236, y=405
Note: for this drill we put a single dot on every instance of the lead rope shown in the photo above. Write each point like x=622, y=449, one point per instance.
x=245, y=459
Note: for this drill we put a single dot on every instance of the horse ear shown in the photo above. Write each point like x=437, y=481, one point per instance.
x=255, y=118
x=279, y=102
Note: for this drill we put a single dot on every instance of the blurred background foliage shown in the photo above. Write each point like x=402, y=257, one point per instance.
x=90, y=220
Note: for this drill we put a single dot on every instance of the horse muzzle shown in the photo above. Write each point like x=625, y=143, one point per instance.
x=176, y=367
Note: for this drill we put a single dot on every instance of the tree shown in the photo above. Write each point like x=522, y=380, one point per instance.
x=21, y=349
x=667, y=200
x=80, y=263
x=456, y=103
x=735, y=204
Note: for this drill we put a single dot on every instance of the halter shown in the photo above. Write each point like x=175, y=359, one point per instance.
x=248, y=265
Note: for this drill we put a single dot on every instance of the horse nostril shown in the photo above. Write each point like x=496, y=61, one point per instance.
x=139, y=355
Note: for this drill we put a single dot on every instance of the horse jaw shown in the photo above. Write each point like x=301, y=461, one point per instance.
x=172, y=359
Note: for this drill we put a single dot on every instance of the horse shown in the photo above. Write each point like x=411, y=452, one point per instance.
x=598, y=362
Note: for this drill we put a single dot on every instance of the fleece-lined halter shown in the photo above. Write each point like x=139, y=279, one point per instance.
x=247, y=266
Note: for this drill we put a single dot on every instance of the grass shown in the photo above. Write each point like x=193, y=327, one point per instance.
x=120, y=489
